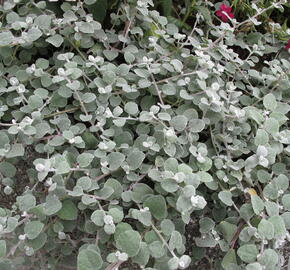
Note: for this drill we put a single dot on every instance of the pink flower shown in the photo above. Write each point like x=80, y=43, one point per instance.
x=224, y=12
x=287, y=46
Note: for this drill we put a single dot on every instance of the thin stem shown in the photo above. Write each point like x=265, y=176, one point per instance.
x=77, y=49
x=176, y=77
x=102, y=176
x=213, y=141
x=163, y=240
x=61, y=112
x=155, y=85
x=7, y=124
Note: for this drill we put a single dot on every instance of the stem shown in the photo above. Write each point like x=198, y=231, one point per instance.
x=163, y=240
x=61, y=112
x=176, y=77
x=102, y=176
x=77, y=49
x=213, y=141
x=7, y=125
x=155, y=85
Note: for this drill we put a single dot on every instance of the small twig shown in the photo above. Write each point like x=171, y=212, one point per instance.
x=163, y=240
x=155, y=85
x=7, y=124
x=13, y=249
x=178, y=76
x=102, y=176
x=61, y=112
x=213, y=141
x=236, y=234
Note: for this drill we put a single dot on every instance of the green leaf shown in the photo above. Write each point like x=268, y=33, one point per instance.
x=116, y=186
x=52, y=205
x=26, y=202
x=271, y=125
x=2, y=248
x=173, y=263
x=171, y=164
x=157, y=249
x=90, y=140
x=169, y=185
x=43, y=21
x=116, y=214
x=33, y=228
x=143, y=255
x=254, y=266
x=286, y=218
x=279, y=226
x=206, y=224
x=226, y=197
x=56, y=40
x=33, y=34
x=38, y=242
x=248, y=253
x=257, y=204
x=109, y=228
x=175, y=241
x=228, y=230
x=157, y=206
x=196, y=125
x=6, y=38
x=115, y=160
x=17, y=150
x=89, y=259
x=68, y=211
x=204, y=177
x=135, y=159
x=270, y=102
x=266, y=229
x=229, y=258
x=131, y=108
x=286, y=201
x=86, y=28
x=167, y=226
x=129, y=242
x=62, y=167
x=144, y=217
x=261, y=138
x=206, y=241
x=110, y=54
x=85, y=159
x=272, y=208
x=98, y=217
x=205, y=13
x=271, y=191
x=269, y=258
x=7, y=169
x=179, y=122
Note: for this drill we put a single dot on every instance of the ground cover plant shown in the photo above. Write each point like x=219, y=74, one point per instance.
x=144, y=135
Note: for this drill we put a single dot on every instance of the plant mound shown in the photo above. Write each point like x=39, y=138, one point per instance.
x=145, y=144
